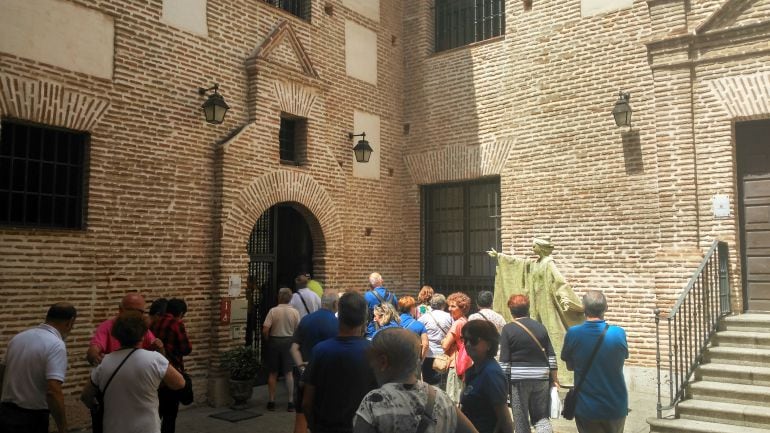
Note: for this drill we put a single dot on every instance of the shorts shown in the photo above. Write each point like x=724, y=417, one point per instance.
x=278, y=355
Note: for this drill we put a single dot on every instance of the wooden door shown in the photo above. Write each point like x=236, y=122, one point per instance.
x=753, y=149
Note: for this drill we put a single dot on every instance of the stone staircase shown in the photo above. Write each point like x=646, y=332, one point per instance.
x=731, y=389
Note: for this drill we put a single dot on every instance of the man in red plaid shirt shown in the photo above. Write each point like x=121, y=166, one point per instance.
x=170, y=330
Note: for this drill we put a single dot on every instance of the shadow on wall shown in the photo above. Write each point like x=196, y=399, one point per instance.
x=632, y=152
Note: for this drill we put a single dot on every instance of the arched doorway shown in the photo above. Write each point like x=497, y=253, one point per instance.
x=280, y=247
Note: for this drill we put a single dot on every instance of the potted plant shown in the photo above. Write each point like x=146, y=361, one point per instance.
x=242, y=364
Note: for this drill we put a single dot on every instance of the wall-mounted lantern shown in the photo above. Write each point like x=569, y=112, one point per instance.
x=362, y=150
x=215, y=107
x=622, y=111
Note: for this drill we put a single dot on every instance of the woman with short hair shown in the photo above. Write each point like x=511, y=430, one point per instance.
x=134, y=375
x=459, y=305
x=407, y=308
x=402, y=401
x=484, y=399
x=528, y=358
x=437, y=323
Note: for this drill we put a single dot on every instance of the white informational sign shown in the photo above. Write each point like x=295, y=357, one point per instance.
x=234, y=288
x=238, y=331
x=720, y=205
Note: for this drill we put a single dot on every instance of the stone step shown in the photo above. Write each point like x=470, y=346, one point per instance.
x=737, y=355
x=759, y=322
x=758, y=340
x=733, y=373
x=725, y=413
x=666, y=425
x=730, y=393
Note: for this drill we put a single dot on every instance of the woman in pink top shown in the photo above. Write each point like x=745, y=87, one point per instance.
x=459, y=305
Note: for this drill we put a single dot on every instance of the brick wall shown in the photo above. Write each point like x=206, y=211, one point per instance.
x=171, y=200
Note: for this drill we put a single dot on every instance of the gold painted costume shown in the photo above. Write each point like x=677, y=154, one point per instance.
x=552, y=301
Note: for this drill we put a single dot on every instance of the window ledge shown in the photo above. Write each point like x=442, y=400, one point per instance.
x=468, y=46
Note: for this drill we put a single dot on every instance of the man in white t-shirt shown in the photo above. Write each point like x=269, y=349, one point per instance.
x=304, y=300
x=277, y=329
x=36, y=363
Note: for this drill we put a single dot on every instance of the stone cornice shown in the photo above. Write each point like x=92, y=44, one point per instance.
x=685, y=50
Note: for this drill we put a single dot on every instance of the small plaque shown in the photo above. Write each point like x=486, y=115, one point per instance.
x=720, y=205
x=234, y=288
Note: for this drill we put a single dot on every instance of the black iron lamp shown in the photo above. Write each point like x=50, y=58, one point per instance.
x=362, y=149
x=215, y=107
x=622, y=111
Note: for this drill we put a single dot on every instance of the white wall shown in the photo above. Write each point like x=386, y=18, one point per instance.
x=370, y=124
x=360, y=52
x=187, y=15
x=59, y=33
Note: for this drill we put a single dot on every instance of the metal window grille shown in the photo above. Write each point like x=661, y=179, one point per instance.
x=42, y=175
x=460, y=223
x=287, y=139
x=300, y=8
x=461, y=22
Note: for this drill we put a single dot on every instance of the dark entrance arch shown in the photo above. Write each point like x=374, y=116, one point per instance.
x=280, y=246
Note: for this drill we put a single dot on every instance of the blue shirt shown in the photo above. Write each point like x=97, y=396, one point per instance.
x=603, y=394
x=341, y=375
x=373, y=301
x=314, y=328
x=408, y=322
x=485, y=388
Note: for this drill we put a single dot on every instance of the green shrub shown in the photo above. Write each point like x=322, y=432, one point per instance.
x=241, y=362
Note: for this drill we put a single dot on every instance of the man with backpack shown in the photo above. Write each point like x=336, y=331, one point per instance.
x=376, y=296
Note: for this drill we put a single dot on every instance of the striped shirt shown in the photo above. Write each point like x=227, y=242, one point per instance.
x=520, y=356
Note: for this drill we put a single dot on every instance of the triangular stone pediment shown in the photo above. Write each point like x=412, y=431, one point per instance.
x=734, y=14
x=284, y=48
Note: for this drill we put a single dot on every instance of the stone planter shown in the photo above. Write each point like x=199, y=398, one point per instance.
x=240, y=391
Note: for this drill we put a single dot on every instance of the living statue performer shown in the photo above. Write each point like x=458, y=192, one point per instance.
x=552, y=301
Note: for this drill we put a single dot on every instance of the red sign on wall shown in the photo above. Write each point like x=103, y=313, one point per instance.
x=224, y=311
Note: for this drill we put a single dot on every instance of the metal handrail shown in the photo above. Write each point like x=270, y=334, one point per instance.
x=692, y=322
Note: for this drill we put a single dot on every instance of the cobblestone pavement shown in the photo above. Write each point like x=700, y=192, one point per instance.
x=198, y=420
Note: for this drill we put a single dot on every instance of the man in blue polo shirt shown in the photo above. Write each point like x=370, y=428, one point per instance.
x=602, y=403
x=312, y=329
x=338, y=375
x=376, y=296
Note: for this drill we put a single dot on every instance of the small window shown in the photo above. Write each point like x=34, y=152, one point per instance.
x=461, y=22
x=300, y=8
x=293, y=140
x=42, y=176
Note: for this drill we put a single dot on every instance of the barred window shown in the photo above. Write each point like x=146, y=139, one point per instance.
x=460, y=222
x=300, y=8
x=461, y=22
x=42, y=175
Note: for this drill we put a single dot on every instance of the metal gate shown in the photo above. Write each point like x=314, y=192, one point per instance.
x=261, y=281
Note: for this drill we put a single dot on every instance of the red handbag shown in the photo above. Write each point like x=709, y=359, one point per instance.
x=463, y=362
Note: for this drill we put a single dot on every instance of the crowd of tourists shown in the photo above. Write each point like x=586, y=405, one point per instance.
x=376, y=362
x=138, y=378
x=359, y=362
